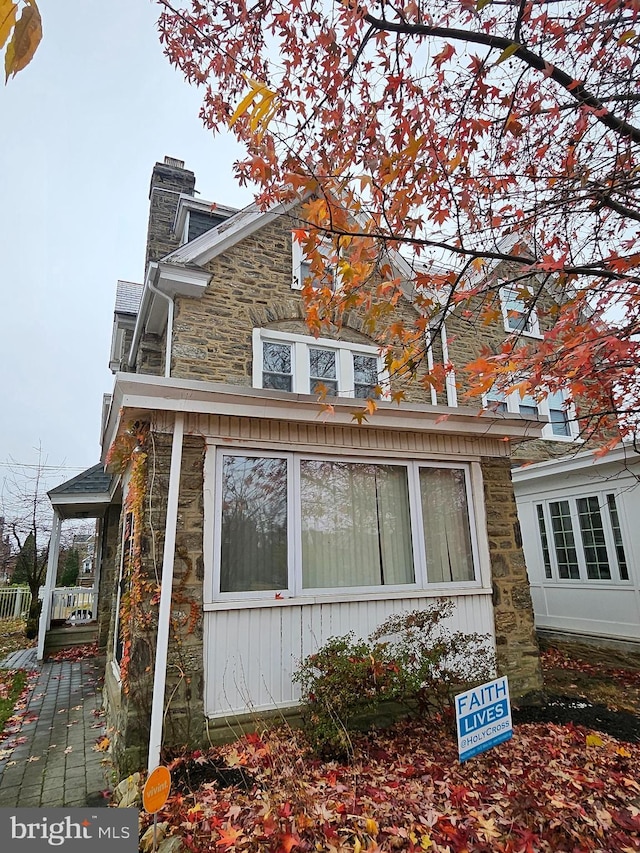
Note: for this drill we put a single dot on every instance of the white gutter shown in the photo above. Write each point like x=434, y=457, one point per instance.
x=164, y=608
x=52, y=565
x=169, y=339
x=452, y=393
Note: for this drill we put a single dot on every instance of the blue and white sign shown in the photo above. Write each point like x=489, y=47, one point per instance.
x=483, y=717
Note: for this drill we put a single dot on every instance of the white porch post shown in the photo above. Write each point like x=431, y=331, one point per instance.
x=50, y=582
x=164, y=608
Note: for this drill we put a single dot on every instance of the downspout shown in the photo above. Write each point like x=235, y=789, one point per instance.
x=50, y=582
x=169, y=340
x=164, y=608
x=137, y=334
x=452, y=394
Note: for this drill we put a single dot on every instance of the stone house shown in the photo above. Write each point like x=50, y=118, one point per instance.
x=247, y=528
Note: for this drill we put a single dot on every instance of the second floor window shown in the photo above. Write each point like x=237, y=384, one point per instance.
x=305, y=365
x=563, y=424
x=518, y=316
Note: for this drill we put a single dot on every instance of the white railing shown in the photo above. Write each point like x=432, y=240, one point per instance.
x=14, y=602
x=74, y=604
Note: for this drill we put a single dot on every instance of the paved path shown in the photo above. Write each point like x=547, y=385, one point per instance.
x=57, y=765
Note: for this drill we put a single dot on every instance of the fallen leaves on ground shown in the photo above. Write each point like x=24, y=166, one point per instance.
x=553, y=658
x=13, y=638
x=75, y=653
x=14, y=714
x=548, y=789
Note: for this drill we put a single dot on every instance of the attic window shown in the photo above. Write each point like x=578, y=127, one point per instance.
x=518, y=316
x=301, y=271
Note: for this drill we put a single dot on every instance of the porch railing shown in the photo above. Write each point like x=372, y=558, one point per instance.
x=14, y=602
x=76, y=605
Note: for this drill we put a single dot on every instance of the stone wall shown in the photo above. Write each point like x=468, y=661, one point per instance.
x=109, y=537
x=167, y=183
x=517, y=647
x=251, y=288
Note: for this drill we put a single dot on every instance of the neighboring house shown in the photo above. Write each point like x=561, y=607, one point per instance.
x=269, y=525
x=579, y=518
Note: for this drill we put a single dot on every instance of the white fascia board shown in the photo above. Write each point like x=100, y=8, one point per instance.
x=135, y=394
x=221, y=238
x=180, y=281
x=580, y=462
x=189, y=202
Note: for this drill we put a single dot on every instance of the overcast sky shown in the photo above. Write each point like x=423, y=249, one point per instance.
x=82, y=127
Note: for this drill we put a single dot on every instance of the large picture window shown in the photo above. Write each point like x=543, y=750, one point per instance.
x=289, y=523
x=585, y=540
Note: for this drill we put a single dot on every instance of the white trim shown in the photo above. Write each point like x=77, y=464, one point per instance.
x=450, y=380
x=296, y=263
x=430, y=364
x=50, y=582
x=531, y=316
x=567, y=464
x=513, y=401
x=166, y=588
x=140, y=393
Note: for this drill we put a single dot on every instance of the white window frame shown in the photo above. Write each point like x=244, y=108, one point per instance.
x=612, y=556
x=513, y=402
x=295, y=590
x=300, y=345
x=534, y=326
x=297, y=260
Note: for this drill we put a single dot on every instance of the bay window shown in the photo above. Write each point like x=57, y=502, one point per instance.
x=287, y=524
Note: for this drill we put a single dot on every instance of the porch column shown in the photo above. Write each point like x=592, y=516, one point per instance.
x=50, y=582
x=164, y=608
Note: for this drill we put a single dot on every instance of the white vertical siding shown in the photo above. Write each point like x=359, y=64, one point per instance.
x=252, y=653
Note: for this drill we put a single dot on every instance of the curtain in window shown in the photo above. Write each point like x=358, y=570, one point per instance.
x=355, y=524
x=446, y=525
x=254, y=524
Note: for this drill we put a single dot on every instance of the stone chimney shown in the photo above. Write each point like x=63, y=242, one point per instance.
x=168, y=180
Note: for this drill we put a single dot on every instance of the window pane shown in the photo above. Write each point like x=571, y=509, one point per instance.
x=617, y=538
x=276, y=366
x=558, y=415
x=254, y=524
x=496, y=401
x=518, y=318
x=593, y=541
x=542, y=527
x=322, y=370
x=365, y=375
x=528, y=410
x=563, y=540
x=446, y=525
x=355, y=524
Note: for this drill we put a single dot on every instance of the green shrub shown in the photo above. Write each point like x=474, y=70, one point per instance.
x=411, y=659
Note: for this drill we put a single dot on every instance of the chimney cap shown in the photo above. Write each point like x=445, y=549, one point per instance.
x=173, y=161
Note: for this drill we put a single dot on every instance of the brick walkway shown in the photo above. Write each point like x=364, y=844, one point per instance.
x=57, y=765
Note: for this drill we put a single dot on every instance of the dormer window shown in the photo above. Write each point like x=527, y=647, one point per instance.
x=518, y=316
x=287, y=362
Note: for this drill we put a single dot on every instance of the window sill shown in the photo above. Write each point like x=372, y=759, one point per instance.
x=343, y=598
x=536, y=336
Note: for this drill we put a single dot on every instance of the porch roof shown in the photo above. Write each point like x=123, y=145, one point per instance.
x=85, y=496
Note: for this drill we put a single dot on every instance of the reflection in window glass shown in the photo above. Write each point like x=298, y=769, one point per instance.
x=322, y=371
x=365, y=375
x=446, y=525
x=593, y=541
x=563, y=540
x=254, y=524
x=558, y=415
x=496, y=401
x=542, y=527
x=276, y=366
x=617, y=537
x=517, y=317
x=355, y=522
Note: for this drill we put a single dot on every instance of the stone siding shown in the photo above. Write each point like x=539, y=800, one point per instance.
x=167, y=183
x=516, y=643
x=251, y=288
